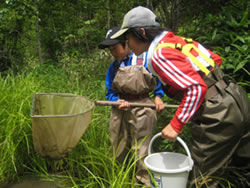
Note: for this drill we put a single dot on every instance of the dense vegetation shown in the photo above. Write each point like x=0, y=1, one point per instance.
x=51, y=46
x=61, y=31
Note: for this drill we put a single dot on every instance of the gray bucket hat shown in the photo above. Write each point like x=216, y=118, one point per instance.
x=137, y=17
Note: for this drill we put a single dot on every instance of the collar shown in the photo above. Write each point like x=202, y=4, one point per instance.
x=126, y=60
x=142, y=56
x=152, y=46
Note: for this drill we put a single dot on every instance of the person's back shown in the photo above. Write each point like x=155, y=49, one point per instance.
x=216, y=106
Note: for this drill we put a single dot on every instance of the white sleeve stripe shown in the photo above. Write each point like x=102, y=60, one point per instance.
x=197, y=101
x=185, y=105
x=191, y=105
x=175, y=74
x=193, y=92
x=182, y=75
x=164, y=68
x=182, y=80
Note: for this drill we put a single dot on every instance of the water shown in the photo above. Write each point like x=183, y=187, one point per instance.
x=32, y=184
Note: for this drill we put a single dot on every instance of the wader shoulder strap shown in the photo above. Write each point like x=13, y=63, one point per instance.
x=186, y=49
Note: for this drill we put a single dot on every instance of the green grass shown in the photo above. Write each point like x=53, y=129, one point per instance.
x=90, y=164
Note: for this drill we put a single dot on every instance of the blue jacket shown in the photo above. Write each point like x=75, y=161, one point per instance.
x=111, y=95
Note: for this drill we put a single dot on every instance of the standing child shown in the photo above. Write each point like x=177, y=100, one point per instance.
x=128, y=80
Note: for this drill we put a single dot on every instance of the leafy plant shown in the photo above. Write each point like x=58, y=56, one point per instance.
x=226, y=33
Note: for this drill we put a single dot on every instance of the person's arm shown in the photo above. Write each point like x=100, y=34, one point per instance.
x=159, y=93
x=176, y=71
x=110, y=95
x=191, y=101
x=158, y=90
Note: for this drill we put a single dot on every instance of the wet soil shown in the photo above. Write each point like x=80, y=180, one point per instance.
x=32, y=184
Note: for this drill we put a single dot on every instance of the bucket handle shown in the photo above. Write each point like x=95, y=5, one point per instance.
x=179, y=140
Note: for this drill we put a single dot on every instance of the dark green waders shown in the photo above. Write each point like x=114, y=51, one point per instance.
x=221, y=131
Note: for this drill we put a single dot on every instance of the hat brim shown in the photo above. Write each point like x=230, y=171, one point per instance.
x=119, y=33
x=108, y=42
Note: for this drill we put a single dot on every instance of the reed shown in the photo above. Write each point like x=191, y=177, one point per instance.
x=91, y=163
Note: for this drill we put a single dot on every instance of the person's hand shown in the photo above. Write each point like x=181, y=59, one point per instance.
x=124, y=104
x=169, y=133
x=159, y=105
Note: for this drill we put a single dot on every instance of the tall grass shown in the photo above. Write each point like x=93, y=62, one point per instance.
x=15, y=123
x=90, y=164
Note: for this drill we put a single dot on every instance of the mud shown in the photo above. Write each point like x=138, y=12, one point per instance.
x=32, y=184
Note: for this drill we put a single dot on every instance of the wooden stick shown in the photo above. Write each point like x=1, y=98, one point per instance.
x=110, y=103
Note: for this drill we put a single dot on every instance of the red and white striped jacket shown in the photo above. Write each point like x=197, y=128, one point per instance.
x=176, y=70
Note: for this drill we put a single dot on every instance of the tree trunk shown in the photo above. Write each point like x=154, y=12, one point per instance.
x=108, y=8
x=170, y=11
x=149, y=4
x=38, y=40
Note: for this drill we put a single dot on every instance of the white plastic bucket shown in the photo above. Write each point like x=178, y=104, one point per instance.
x=169, y=169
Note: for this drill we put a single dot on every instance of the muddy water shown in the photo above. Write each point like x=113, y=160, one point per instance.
x=32, y=184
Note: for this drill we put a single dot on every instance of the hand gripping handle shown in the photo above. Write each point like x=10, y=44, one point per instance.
x=179, y=140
